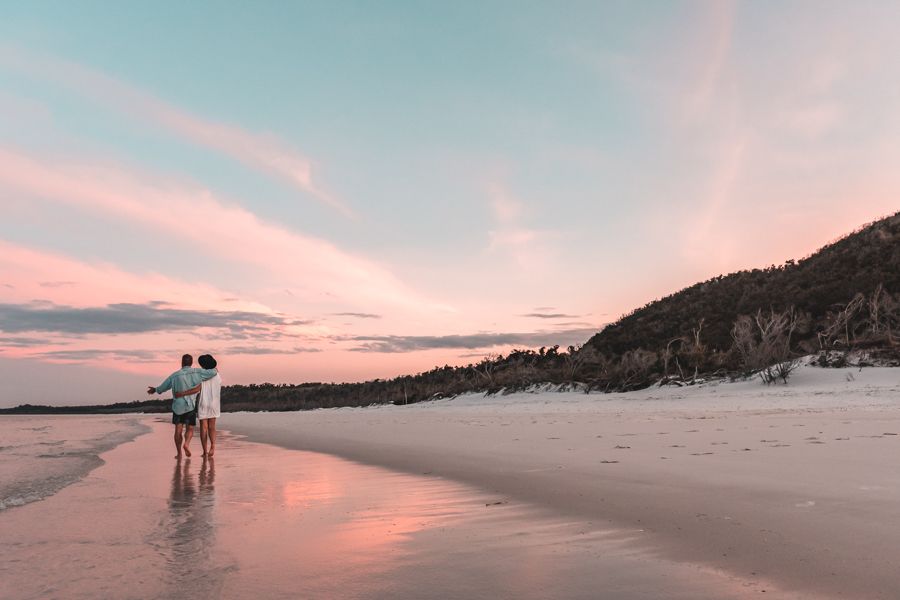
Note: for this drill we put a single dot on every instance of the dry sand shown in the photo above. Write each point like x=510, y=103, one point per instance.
x=795, y=485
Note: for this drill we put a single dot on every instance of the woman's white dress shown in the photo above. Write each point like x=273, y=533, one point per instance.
x=210, y=398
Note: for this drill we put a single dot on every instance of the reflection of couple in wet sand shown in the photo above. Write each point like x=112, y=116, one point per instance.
x=195, y=394
x=187, y=538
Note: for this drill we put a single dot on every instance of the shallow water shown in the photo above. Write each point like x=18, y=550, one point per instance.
x=261, y=521
x=40, y=455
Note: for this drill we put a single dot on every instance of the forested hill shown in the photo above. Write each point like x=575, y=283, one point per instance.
x=857, y=263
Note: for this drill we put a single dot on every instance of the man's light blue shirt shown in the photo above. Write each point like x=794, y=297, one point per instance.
x=184, y=379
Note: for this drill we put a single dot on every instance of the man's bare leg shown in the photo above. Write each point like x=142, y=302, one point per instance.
x=188, y=436
x=204, y=434
x=178, y=440
x=211, y=426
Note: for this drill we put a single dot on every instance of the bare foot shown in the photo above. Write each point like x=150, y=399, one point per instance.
x=211, y=452
x=178, y=456
x=187, y=451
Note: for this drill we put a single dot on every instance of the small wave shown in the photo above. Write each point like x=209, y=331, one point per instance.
x=40, y=482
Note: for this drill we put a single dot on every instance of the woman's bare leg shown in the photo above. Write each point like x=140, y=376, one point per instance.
x=212, y=435
x=204, y=433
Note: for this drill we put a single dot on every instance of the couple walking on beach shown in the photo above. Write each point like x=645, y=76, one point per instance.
x=196, y=393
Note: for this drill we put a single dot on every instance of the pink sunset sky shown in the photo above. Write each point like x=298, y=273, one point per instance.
x=348, y=192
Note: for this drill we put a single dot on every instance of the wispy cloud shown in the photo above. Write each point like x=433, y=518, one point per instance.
x=714, y=59
x=268, y=350
x=260, y=151
x=412, y=343
x=358, y=315
x=229, y=231
x=24, y=342
x=92, y=280
x=544, y=315
x=133, y=318
x=92, y=355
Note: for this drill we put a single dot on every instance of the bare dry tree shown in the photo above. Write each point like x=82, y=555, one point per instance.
x=884, y=314
x=837, y=332
x=763, y=343
x=635, y=365
x=485, y=368
x=695, y=350
x=575, y=356
x=668, y=355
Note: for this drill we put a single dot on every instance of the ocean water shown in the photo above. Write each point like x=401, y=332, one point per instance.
x=40, y=455
x=260, y=521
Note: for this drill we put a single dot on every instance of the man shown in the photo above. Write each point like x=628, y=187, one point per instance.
x=184, y=409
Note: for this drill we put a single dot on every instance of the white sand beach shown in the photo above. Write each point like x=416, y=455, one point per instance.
x=791, y=489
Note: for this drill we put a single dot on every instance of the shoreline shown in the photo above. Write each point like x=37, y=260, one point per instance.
x=70, y=447
x=794, y=484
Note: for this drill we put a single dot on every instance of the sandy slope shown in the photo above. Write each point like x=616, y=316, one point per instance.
x=796, y=484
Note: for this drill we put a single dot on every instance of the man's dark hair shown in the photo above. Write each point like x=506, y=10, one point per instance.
x=187, y=360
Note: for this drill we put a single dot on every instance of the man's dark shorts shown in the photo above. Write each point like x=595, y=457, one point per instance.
x=188, y=418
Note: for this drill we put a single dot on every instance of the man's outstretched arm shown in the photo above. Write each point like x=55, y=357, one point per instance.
x=164, y=386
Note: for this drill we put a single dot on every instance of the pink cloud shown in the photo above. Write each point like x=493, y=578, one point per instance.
x=263, y=152
x=28, y=274
x=311, y=265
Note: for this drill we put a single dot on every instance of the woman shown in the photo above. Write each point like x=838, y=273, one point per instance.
x=209, y=405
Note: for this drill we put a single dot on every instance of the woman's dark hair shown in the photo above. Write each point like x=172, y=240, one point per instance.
x=207, y=361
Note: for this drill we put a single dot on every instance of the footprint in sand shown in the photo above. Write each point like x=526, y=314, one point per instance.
x=888, y=433
x=811, y=438
x=608, y=462
x=692, y=431
x=622, y=448
x=779, y=446
x=718, y=443
x=842, y=439
x=677, y=446
x=701, y=453
x=817, y=442
x=799, y=425
x=768, y=441
x=746, y=449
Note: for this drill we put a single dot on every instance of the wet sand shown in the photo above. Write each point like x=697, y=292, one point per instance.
x=266, y=522
x=795, y=486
